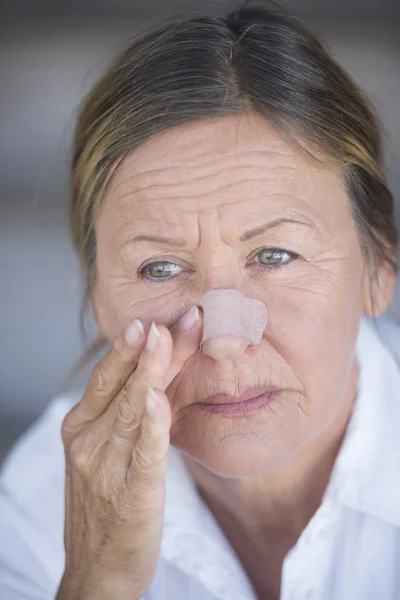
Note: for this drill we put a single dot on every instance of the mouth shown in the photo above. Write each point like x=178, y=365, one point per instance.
x=245, y=404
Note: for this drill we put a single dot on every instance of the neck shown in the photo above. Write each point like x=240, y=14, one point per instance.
x=283, y=501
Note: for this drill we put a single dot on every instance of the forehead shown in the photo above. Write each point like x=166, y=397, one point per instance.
x=222, y=163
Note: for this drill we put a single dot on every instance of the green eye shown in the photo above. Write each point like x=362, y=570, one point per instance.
x=273, y=257
x=161, y=270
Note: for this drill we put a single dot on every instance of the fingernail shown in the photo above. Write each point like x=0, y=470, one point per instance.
x=151, y=401
x=152, y=338
x=134, y=332
x=189, y=319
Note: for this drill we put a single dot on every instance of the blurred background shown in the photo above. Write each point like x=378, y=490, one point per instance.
x=51, y=52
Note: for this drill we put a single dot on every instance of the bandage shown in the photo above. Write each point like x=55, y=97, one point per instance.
x=229, y=312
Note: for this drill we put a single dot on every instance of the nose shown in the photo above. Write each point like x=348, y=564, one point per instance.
x=231, y=323
x=225, y=347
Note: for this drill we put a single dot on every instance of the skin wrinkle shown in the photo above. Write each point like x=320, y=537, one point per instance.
x=153, y=173
x=270, y=154
x=226, y=205
x=221, y=187
x=244, y=237
x=173, y=172
x=314, y=304
x=133, y=253
x=178, y=171
x=127, y=247
x=144, y=201
x=193, y=180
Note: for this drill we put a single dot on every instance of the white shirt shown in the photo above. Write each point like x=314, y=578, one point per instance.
x=350, y=550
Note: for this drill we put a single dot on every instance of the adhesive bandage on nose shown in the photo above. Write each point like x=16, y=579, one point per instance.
x=229, y=312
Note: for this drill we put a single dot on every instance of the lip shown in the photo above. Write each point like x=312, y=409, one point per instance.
x=245, y=404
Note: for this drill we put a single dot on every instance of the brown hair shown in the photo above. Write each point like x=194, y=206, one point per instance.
x=260, y=59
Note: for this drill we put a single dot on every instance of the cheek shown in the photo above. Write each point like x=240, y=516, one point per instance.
x=314, y=325
x=123, y=300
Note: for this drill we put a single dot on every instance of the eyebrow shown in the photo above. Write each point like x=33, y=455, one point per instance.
x=158, y=239
x=248, y=235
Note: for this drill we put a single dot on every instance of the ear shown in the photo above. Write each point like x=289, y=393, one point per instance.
x=378, y=288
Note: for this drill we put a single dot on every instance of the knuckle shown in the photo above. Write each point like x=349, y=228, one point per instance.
x=121, y=350
x=67, y=426
x=147, y=461
x=124, y=391
x=99, y=379
x=126, y=415
x=78, y=454
x=70, y=424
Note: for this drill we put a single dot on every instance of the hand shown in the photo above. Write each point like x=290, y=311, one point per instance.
x=116, y=442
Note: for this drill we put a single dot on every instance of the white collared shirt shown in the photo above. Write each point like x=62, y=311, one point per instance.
x=350, y=550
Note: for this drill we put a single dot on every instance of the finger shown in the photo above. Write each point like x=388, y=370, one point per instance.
x=186, y=335
x=152, y=367
x=111, y=373
x=157, y=368
x=147, y=468
x=155, y=359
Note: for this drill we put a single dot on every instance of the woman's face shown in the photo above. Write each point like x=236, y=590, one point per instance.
x=203, y=187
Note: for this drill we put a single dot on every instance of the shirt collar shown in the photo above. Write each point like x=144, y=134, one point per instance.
x=366, y=471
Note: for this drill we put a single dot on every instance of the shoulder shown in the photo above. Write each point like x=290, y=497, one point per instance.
x=32, y=505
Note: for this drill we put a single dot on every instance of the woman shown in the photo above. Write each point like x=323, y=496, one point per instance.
x=221, y=154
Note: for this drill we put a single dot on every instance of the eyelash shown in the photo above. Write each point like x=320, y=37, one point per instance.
x=292, y=257
x=162, y=280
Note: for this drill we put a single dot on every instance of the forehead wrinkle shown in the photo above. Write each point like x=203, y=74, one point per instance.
x=233, y=156
x=164, y=224
x=191, y=195
x=192, y=180
x=200, y=204
x=157, y=174
x=160, y=189
x=159, y=195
